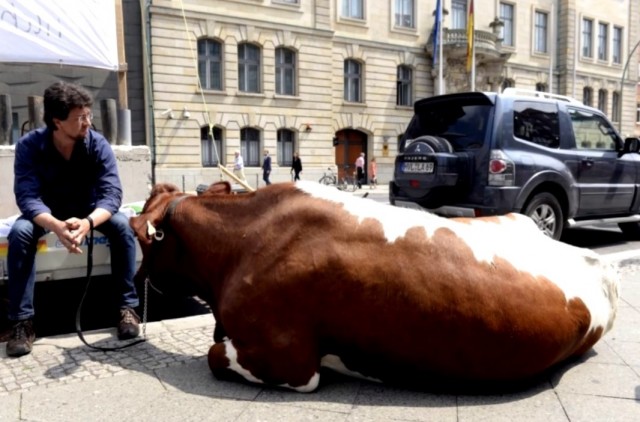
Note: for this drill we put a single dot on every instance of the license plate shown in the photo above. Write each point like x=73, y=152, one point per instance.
x=417, y=167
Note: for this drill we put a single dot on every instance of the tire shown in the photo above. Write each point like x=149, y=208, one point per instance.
x=630, y=230
x=545, y=211
x=437, y=143
x=327, y=180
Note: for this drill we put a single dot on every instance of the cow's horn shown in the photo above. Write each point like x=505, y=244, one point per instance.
x=150, y=229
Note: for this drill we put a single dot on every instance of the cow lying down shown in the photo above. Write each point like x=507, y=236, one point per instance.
x=303, y=276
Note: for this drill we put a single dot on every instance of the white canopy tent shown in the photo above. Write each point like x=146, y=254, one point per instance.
x=65, y=32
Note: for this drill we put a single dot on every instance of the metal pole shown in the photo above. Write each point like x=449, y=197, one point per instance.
x=624, y=73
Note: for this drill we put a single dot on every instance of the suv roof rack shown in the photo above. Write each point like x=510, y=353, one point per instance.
x=518, y=91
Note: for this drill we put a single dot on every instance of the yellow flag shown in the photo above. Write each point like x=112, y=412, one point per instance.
x=470, y=37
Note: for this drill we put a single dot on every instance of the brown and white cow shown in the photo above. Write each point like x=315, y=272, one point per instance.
x=303, y=276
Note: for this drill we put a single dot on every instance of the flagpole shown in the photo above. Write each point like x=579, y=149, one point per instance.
x=471, y=45
x=440, y=78
x=552, y=48
x=473, y=62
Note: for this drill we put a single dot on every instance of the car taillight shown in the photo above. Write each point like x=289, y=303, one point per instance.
x=502, y=171
x=414, y=183
x=497, y=166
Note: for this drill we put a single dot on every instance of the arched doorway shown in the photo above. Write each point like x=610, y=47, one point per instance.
x=349, y=143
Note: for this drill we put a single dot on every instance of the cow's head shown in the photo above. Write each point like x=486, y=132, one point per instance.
x=158, y=241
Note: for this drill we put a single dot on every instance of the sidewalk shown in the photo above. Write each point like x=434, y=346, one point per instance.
x=167, y=378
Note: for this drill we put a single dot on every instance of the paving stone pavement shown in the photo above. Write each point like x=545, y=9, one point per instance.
x=65, y=360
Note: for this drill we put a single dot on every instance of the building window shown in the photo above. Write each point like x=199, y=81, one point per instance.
x=210, y=64
x=352, y=81
x=285, y=71
x=617, y=45
x=615, y=106
x=353, y=9
x=459, y=14
x=637, y=112
x=602, y=100
x=404, y=14
x=587, y=96
x=541, y=28
x=603, y=41
x=506, y=16
x=285, y=147
x=404, y=85
x=248, y=68
x=508, y=83
x=211, y=145
x=587, y=38
x=250, y=146
x=540, y=87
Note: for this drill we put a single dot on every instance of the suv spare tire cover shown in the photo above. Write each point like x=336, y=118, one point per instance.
x=429, y=144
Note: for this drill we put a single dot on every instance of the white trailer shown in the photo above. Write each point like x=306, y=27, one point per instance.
x=54, y=262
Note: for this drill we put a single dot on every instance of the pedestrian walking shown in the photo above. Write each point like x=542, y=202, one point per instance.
x=360, y=169
x=373, y=173
x=296, y=166
x=266, y=167
x=238, y=166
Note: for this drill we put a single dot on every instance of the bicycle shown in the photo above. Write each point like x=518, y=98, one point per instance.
x=329, y=178
x=348, y=182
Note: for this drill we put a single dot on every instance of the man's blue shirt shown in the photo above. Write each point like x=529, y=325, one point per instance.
x=47, y=183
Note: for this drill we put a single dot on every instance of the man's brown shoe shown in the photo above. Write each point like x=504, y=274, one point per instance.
x=22, y=337
x=129, y=324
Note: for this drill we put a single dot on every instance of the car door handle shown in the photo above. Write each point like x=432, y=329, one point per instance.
x=587, y=162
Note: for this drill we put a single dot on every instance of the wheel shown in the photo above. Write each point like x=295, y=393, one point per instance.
x=342, y=185
x=544, y=209
x=327, y=180
x=352, y=186
x=630, y=230
x=435, y=143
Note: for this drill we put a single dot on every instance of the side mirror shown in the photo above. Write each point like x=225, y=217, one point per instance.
x=631, y=145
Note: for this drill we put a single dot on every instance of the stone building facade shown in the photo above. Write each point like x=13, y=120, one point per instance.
x=333, y=78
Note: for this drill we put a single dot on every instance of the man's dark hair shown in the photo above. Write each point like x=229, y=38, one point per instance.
x=62, y=97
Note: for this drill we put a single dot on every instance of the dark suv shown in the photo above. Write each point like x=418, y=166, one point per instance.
x=547, y=156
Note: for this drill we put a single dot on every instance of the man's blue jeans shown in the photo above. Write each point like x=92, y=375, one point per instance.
x=23, y=241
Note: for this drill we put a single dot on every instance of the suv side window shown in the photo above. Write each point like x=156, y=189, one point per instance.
x=592, y=131
x=537, y=123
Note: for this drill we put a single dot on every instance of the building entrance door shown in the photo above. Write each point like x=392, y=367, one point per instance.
x=350, y=143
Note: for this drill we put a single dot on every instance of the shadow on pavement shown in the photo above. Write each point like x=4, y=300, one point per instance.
x=56, y=303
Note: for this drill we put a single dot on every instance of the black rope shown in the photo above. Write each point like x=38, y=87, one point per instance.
x=84, y=295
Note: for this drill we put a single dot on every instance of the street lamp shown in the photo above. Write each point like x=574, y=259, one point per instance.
x=624, y=73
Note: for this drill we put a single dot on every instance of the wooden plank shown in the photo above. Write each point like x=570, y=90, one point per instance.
x=122, y=60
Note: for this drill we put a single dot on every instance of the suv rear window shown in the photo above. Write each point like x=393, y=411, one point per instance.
x=462, y=124
x=537, y=123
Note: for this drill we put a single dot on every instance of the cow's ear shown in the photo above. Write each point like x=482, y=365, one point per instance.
x=163, y=188
x=219, y=188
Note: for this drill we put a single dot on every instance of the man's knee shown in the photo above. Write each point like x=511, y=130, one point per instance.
x=22, y=230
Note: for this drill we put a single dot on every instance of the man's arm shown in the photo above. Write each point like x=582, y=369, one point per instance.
x=26, y=185
x=108, y=185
